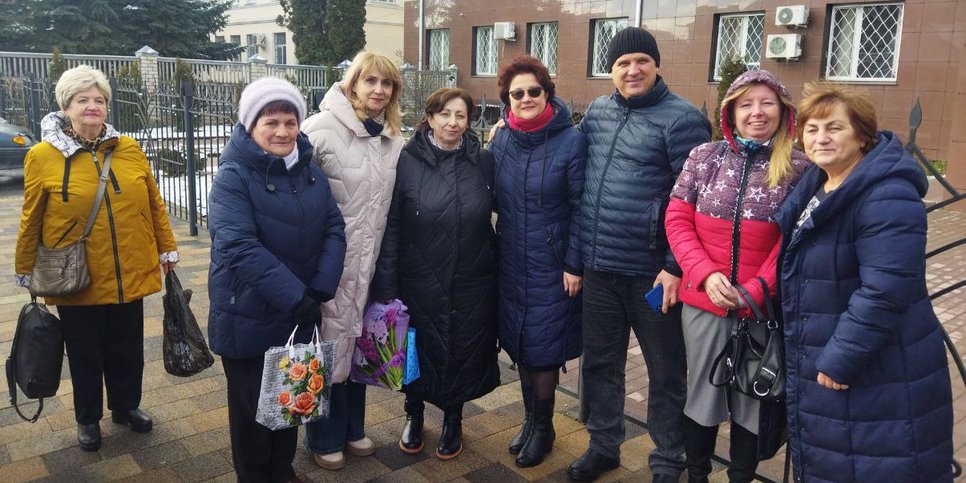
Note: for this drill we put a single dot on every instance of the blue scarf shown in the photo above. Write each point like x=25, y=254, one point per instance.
x=749, y=145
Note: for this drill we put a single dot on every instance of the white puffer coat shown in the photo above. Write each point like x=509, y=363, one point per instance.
x=362, y=171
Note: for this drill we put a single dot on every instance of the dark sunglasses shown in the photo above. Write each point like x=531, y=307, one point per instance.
x=533, y=92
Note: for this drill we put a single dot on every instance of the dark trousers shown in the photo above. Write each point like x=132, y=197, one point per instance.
x=259, y=454
x=346, y=421
x=613, y=306
x=105, y=346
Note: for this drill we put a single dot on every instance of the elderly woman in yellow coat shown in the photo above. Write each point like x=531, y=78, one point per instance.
x=130, y=240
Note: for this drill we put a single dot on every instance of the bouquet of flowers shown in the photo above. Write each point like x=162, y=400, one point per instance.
x=295, y=387
x=380, y=354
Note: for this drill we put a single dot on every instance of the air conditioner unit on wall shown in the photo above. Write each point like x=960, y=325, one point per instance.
x=504, y=31
x=792, y=16
x=784, y=46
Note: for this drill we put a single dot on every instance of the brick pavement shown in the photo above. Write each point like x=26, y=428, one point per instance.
x=190, y=440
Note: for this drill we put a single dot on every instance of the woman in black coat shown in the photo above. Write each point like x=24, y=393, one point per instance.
x=439, y=257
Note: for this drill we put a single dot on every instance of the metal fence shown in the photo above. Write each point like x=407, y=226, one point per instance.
x=37, y=65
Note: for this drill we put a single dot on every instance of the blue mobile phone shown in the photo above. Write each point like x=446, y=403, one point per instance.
x=655, y=297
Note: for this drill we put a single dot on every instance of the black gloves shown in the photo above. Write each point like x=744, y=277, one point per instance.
x=307, y=313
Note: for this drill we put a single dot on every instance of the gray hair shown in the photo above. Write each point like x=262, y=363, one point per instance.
x=79, y=79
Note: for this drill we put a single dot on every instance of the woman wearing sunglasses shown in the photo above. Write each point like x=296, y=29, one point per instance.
x=539, y=180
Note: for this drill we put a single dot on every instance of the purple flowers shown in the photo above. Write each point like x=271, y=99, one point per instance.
x=380, y=354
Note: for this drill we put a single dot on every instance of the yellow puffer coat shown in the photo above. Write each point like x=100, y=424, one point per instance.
x=130, y=231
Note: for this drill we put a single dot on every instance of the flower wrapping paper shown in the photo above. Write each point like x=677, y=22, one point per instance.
x=295, y=385
x=380, y=354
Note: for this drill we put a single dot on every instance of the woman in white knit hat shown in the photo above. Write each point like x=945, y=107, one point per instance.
x=357, y=142
x=277, y=246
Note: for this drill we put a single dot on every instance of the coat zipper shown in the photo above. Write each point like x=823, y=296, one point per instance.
x=603, y=174
x=110, y=220
x=736, y=229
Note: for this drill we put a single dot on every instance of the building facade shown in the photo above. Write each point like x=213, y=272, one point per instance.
x=251, y=24
x=897, y=51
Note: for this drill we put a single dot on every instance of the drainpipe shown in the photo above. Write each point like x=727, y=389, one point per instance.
x=422, y=35
x=639, y=5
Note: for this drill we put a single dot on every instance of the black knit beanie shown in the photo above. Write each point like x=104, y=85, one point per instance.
x=632, y=40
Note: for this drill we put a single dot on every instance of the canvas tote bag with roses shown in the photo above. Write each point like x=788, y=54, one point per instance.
x=295, y=383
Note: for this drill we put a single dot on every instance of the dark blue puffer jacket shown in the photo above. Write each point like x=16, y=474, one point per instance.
x=539, y=180
x=274, y=232
x=636, y=149
x=857, y=309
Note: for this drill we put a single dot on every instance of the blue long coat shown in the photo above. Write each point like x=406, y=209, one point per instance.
x=539, y=181
x=274, y=232
x=856, y=308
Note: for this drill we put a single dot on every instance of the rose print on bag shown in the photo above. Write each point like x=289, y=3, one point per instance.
x=304, y=381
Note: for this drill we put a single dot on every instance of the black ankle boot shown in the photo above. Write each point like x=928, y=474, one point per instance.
x=541, y=437
x=744, y=455
x=517, y=442
x=451, y=440
x=699, y=448
x=411, y=441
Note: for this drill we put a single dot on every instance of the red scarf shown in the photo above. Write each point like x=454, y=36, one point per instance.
x=530, y=125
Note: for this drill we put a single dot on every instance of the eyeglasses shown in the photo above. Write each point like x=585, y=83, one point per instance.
x=533, y=92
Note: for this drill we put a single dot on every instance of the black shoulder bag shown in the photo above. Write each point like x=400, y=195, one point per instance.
x=36, y=357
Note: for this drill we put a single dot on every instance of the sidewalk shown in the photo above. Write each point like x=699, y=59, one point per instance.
x=190, y=437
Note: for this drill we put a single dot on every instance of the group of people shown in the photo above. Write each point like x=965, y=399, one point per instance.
x=313, y=218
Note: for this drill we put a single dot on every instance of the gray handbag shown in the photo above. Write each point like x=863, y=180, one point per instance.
x=63, y=271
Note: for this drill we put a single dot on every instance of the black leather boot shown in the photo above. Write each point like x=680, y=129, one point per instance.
x=451, y=440
x=411, y=441
x=89, y=436
x=541, y=437
x=744, y=455
x=590, y=466
x=517, y=442
x=136, y=419
x=699, y=448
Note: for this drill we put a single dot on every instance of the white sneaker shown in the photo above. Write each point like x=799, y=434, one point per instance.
x=332, y=461
x=362, y=447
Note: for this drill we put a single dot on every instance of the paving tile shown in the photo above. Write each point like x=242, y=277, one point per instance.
x=406, y=474
x=110, y=469
x=162, y=455
x=201, y=443
x=494, y=472
x=160, y=475
x=42, y=444
x=393, y=458
x=69, y=459
x=435, y=470
x=356, y=470
x=202, y=467
x=23, y=470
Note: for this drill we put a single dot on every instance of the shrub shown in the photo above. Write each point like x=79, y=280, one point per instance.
x=730, y=70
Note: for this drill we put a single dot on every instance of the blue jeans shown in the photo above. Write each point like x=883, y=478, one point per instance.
x=613, y=305
x=346, y=421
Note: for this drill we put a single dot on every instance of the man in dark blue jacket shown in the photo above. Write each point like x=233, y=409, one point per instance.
x=637, y=141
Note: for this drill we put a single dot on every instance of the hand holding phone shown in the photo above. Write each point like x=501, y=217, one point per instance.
x=655, y=297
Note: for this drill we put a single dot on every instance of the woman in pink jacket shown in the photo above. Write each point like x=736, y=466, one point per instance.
x=721, y=229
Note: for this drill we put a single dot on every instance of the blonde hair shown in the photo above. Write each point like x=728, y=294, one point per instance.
x=364, y=63
x=79, y=79
x=820, y=98
x=780, y=163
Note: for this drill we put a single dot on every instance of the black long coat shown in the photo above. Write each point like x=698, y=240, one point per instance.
x=439, y=257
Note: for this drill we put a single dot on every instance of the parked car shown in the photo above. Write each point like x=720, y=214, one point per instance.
x=15, y=141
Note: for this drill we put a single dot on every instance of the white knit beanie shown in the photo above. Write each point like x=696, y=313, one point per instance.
x=263, y=91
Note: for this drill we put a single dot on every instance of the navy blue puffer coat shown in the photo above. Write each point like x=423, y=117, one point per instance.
x=274, y=232
x=636, y=150
x=857, y=309
x=539, y=180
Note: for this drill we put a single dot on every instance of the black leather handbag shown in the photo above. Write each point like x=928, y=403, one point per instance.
x=747, y=365
x=36, y=357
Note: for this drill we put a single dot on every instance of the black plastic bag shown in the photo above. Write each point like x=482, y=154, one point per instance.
x=185, y=351
x=36, y=357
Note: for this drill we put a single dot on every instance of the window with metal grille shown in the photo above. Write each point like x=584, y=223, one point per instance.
x=739, y=36
x=543, y=44
x=438, y=49
x=484, y=51
x=604, y=30
x=251, y=45
x=279, y=47
x=864, y=42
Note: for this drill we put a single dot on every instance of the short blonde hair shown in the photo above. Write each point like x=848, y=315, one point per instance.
x=79, y=79
x=363, y=63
